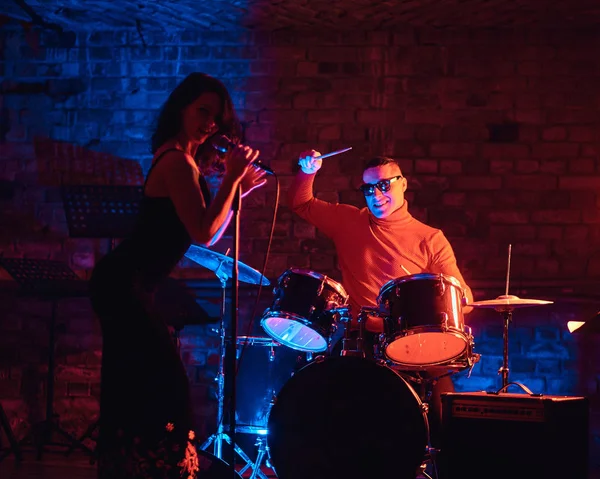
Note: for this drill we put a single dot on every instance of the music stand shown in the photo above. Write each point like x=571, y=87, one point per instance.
x=100, y=212
x=97, y=211
x=53, y=280
x=12, y=440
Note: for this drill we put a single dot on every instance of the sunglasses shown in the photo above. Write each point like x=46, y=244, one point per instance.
x=384, y=186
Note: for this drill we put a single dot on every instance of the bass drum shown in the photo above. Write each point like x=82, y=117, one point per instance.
x=211, y=467
x=347, y=417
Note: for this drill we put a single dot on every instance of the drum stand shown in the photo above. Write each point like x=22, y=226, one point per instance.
x=218, y=437
x=359, y=348
x=426, y=391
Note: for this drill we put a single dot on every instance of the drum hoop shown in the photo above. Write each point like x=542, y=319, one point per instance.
x=257, y=340
x=330, y=282
x=382, y=365
x=415, y=395
x=245, y=429
x=459, y=363
x=432, y=329
x=405, y=279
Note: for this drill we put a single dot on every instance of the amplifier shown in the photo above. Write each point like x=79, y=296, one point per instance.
x=514, y=436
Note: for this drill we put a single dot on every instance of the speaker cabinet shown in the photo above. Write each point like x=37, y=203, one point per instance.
x=513, y=436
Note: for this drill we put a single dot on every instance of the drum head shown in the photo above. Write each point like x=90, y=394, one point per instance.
x=428, y=348
x=347, y=417
x=293, y=333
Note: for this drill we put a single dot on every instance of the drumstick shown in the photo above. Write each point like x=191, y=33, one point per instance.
x=405, y=270
x=333, y=153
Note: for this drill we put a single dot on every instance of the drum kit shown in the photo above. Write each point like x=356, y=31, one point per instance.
x=352, y=413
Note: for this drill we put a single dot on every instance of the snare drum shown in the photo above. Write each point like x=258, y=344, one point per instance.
x=304, y=313
x=423, y=321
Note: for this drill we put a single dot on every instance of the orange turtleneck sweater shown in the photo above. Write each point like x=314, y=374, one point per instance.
x=372, y=251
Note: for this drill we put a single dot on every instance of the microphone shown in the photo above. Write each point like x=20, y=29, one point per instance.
x=223, y=144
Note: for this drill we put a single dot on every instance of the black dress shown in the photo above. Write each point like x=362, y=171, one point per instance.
x=145, y=407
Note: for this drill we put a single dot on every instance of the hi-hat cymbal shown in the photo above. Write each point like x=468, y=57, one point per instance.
x=222, y=265
x=508, y=303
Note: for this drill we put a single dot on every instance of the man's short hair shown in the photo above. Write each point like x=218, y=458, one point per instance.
x=380, y=161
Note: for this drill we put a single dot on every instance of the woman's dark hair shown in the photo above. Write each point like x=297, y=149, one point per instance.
x=169, y=121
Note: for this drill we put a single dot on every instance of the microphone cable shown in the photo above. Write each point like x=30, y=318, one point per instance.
x=264, y=267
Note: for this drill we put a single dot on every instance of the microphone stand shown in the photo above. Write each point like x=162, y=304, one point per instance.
x=236, y=207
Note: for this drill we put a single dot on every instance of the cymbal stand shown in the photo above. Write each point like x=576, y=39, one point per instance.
x=220, y=435
x=507, y=315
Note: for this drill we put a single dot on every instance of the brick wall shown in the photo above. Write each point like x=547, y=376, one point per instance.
x=497, y=132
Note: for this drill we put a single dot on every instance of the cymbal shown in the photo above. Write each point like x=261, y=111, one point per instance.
x=222, y=265
x=508, y=303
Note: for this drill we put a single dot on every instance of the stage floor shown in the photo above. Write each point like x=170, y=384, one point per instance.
x=57, y=466
x=77, y=466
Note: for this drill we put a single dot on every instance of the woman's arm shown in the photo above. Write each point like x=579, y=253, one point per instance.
x=181, y=174
x=219, y=234
x=254, y=178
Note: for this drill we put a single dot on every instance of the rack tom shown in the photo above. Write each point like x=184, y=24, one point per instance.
x=423, y=320
x=306, y=310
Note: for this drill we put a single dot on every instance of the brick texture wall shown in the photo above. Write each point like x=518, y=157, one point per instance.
x=497, y=132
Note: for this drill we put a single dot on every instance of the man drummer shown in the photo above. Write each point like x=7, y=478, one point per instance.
x=378, y=243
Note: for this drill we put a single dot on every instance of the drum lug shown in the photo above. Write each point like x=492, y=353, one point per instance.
x=331, y=305
x=441, y=287
x=321, y=286
x=444, y=318
x=425, y=407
